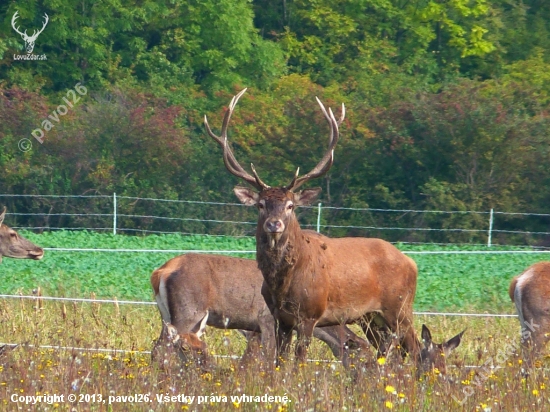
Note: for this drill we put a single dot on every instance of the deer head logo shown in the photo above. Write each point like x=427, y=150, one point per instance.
x=29, y=40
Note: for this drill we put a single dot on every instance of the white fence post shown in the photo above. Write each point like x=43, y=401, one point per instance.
x=319, y=218
x=490, y=228
x=114, y=213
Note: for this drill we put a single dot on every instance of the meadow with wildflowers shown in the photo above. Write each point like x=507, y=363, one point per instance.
x=116, y=365
x=99, y=352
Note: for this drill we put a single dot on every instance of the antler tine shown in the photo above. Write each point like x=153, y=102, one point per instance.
x=342, y=116
x=258, y=180
x=225, y=123
x=229, y=159
x=325, y=163
x=293, y=183
x=226, y=119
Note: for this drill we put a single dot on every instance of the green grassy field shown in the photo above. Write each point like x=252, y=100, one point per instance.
x=446, y=281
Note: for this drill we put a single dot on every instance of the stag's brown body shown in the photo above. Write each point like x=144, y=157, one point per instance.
x=530, y=292
x=13, y=245
x=312, y=280
x=337, y=280
x=225, y=293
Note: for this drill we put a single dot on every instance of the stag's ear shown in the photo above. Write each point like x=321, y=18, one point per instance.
x=247, y=196
x=2, y=216
x=306, y=197
x=452, y=343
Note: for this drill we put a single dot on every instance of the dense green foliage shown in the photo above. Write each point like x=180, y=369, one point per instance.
x=446, y=281
x=447, y=101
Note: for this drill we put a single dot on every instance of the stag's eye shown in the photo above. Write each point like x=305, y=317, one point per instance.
x=290, y=206
x=260, y=205
x=13, y=235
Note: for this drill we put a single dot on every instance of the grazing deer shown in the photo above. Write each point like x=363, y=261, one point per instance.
x=433, y=355
x=188, y=346
x=530, y=292
x=13, y=245
x=195, y=290
x=312, y=280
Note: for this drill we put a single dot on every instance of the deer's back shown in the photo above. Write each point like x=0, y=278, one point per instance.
x=359, y=275
x=229, y=288
x=534, y=287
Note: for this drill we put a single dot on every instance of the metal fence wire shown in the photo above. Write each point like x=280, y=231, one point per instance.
x=136, y=215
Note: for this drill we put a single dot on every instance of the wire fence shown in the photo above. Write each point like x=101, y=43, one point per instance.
x=117, y=302
x=146, y=303
x=136, y=215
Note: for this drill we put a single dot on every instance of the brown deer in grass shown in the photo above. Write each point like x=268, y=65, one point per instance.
x=188, y=345
x=13, y=245
x=195, y=290
x=530, y=292
x=312, y=280
x=433, y=355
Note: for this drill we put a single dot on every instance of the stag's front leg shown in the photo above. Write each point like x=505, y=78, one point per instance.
x=284, y=338
x=305, y=332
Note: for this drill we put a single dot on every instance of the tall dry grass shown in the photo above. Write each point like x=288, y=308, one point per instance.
x=321, y=384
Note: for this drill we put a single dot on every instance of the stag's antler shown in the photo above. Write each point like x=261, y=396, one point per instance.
x=228, y=157
x=325, y=163
x=235, y=168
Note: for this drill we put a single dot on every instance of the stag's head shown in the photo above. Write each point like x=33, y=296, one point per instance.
x=13, y=245
x=29, y=40
x=433, y=355
x=276, y=205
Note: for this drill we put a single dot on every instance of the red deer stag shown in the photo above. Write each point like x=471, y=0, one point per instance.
x=13, y=245
x=195, y=290
x=530, y=292
x=312, y=280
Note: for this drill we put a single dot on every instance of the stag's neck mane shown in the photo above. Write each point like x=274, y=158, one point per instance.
x=276, y=263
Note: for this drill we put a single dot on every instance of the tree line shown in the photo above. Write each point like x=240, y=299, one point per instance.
x=447, y=102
